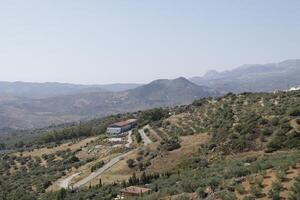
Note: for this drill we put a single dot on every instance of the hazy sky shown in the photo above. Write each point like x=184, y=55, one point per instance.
x=95, y=41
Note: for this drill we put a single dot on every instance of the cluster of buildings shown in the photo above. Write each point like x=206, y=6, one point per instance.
x=121, y=127
x=294, y=88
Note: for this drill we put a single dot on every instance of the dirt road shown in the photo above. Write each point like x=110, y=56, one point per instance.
x=65, y=182
x=93, y=175
x=145, y=138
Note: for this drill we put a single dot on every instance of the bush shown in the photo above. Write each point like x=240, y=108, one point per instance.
x=201, y=192
x=182, y=197
x=138, y=136
x=240, y=189
x=274, y=192
x=294, y=112
x=170, y=144
x=256, y=191
x=275, y=121
x=281, y=176
x=295, y=193
x=130, y=163
x=97, y=166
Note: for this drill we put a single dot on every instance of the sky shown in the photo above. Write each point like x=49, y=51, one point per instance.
x=109, y=41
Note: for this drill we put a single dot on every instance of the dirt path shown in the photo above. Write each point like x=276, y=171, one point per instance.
x=129, y=141
x=93, y=175
x=145, y=138
x=65, y=182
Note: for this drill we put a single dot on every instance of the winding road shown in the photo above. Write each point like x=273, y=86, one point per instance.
x=93, y=175
x=66, y=182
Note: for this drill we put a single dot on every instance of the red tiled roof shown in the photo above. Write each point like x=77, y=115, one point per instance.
x=135, y=190
x=124, y=123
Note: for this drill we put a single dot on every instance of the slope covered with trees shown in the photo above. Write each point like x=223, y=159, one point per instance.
x=251, y=152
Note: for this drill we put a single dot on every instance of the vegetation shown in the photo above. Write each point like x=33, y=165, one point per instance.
x=98, y=165
x=274, y=193
x=295, y=193
x=170, y=144
x=261, y=124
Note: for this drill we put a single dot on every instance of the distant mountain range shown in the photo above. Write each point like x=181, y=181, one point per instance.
x=36, y=105
x=253, y=78
x=24, y=112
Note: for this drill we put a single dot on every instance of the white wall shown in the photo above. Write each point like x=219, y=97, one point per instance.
x=113, y=130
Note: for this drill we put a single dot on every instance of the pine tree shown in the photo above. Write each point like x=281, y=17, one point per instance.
x=144, y=179
x=100, y=183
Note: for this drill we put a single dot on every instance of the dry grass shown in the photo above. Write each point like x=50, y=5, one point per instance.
x=269, y=178
x=170, y=160
x=295, y=125
x=69, y=145
x=116, y=173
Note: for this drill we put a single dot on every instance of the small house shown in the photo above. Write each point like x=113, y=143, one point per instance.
x=134, y=191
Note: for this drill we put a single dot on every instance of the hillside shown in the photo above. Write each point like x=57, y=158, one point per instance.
x=170, y=92
x=253, y=78
x=20, y=112
x=242, y=146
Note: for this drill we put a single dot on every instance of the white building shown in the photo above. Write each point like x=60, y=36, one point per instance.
x=121, y=127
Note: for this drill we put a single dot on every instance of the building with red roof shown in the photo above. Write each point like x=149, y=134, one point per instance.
x=122, y=126
x=134, y=191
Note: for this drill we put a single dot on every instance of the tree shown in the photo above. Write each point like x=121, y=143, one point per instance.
x=100, y=183
x=2, y=146
x=274, y=192
x=295, y=193
x=201, y=192
x=294, y=112
x=62, y=194
x=130, y=163
x=144, y=179
x=256, y=191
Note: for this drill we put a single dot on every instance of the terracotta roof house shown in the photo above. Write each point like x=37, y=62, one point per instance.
x=134, y=191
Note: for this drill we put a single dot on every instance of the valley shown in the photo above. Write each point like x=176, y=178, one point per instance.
x=38, y=105
x=243, y=146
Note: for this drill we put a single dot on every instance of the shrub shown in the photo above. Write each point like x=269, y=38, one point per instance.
x=146, y=130
x=138, y=137
x=240, y=189
x=267, y=132
x=274, y=192
x=295, y=192
x=256, y=191
x=201, y=192
x=170, y=144
x=249, y=198
x=72, y=159
x=130, y=163
x=97, y=166
x=275, y=121
x=281, y=176
x=182, y=197
x=294, y=112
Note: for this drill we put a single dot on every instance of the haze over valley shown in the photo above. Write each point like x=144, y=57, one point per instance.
x=36, y=105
